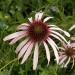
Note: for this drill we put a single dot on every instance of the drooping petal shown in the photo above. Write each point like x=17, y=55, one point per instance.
x=58, y=34
x=56, y=37
x=35, y=58
x=47, y=52
x=67, y=62
x=73, y=64
x=21, y=45
x=61, y=48
x=64, y=45
x=52, y=25
x=14, y=35
x=30, y=19
x=38, y=15
x=26, y=24
x=47, y=18
x=54, y=43
x=66, y=33
x=24, y=49
x=59, y=29
x=28, y=52
x=54, y=48
x=16, y=39
x=62, y=60
x=22, y=27
x=72, y=28
x=61, y=56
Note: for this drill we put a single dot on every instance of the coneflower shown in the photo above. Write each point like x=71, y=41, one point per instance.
x=37, y=31
x=66, y=54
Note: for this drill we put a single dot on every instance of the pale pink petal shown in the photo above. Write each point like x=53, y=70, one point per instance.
x=28, y=52
x=26, y=24
x=73, y=63
x=59, y=29
x=22, y=27
x=54, y=48
x=58, y=34
x=52, y=25
x=24, y=49
x=61, y=56
x=72, y=28
x=62, y=48
x=47, y=52
x=21, y=45
x=62, y=61
x=53, y=43
x=38, y=15
x=66, y=33
x=47, y=18
x=35, y=58
x=56, y=37
x=72, y=44
x=14, y=35
x=16, y=39
x=67, y=62
x=64, y=45
x=61, y=53
x=30, y=19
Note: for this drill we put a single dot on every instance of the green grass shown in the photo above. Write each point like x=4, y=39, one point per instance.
x=15, y=12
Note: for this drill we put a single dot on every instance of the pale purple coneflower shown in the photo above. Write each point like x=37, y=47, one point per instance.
x=37, y=31
x=72, y=27
x=66, y=54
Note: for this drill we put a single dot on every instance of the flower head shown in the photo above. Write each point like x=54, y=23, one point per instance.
x=37, y=31
x=66, y=54
x=72, y=27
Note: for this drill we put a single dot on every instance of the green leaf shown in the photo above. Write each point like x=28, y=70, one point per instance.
x=3, y=25
x=3, y=73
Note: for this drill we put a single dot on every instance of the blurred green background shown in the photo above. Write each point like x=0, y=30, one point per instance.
x=15, y=12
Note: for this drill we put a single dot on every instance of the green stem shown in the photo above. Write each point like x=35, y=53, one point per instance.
x=8, y=64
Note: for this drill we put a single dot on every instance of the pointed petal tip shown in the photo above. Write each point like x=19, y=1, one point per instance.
x=47, y=18
x=72, y=27
x=34, y=69
x=67, y=34
x=16, y=52
x=21, y=63
x=10, y=43
x=48, y=63
x=30, y=19
x=4, y=39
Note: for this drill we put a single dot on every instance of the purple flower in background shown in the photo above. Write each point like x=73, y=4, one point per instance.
x=66, y=54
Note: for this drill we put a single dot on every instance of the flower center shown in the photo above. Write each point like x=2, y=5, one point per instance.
x=70, y=51
x=38, y=31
